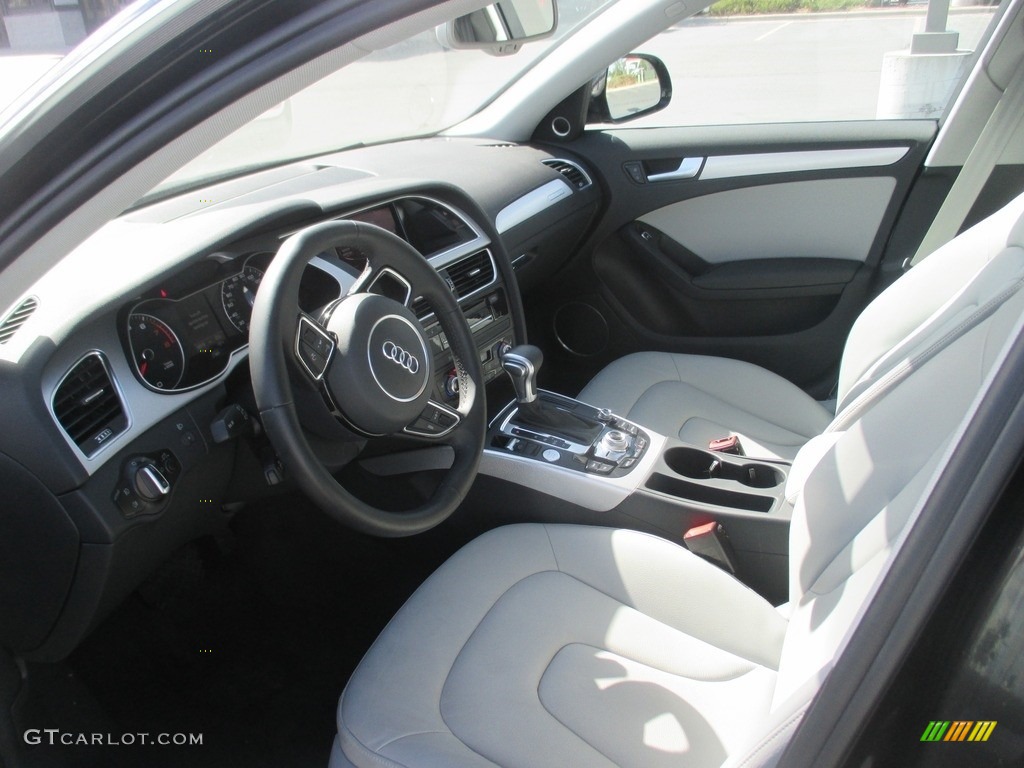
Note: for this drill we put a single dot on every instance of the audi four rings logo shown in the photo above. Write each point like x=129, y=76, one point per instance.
x=398, y=355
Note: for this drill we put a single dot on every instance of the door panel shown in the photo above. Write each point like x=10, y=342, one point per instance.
x=755, y=242
x=796, y=219
x=671, y=291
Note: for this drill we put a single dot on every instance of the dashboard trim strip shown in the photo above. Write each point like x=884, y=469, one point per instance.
x=531, y=204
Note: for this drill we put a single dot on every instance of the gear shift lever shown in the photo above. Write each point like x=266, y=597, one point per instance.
x=522, y=364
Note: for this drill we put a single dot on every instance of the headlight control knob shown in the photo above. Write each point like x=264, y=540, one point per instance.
x=150, y=482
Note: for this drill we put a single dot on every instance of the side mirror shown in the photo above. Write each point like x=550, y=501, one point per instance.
x=635, y=85
x=503, y=27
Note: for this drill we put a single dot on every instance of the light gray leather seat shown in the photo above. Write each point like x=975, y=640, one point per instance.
x=551, y=645
x=699, y=398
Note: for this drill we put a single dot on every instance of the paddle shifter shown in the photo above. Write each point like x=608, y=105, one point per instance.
x=562, y=430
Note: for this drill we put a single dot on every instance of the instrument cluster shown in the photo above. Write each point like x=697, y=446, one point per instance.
x=179, y=339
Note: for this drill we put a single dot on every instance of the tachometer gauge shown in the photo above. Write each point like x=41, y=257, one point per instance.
x=238, y=293
x=156, y=351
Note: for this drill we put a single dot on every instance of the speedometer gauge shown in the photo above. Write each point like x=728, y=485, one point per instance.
x=238, y=293
x=156, y=351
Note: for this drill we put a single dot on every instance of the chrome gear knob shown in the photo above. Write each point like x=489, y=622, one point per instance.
x=522, y=363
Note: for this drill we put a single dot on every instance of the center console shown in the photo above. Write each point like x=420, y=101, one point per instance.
x=593, y=441
x=606, y=469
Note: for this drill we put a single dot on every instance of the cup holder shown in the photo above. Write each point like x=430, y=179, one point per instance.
x=703, y=465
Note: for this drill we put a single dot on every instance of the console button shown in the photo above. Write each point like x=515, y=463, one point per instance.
x=600, y=467
x=551, y=455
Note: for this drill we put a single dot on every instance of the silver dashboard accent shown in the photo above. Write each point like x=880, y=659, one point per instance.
x=688, y=168
x=733, y=166
x=530, y=204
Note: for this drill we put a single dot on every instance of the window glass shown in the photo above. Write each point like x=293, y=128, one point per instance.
x=36, y=34
x=729, y=68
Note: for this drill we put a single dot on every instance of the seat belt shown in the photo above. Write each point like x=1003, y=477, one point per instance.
x=1003, y=125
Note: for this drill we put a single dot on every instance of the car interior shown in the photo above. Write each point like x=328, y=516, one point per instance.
x=541, y=439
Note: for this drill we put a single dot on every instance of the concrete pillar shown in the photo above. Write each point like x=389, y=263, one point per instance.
x=919, y=85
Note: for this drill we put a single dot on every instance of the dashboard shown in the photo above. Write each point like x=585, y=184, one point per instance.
x=129, y=401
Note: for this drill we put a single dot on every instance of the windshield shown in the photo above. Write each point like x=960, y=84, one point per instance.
x=417, y=87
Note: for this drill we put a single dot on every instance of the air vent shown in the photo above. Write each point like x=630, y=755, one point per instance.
x=17, y=318
x=572, y=172
x=471, y=273
x=420, y=308
x=87, y=404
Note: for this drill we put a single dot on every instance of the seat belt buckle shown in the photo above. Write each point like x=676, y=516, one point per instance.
x=710, y=542
x=730, y=444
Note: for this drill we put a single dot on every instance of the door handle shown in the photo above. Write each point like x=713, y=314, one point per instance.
x=688, y=168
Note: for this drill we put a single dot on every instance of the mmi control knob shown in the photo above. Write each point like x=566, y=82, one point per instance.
x=615, y=441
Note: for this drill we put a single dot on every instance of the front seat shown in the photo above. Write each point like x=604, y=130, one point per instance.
x=558, y=645
x=699, y=398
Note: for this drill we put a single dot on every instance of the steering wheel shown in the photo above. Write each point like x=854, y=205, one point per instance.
x=370, y=360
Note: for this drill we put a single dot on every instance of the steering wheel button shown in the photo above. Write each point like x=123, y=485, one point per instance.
x=315, y=362
x=425, y=427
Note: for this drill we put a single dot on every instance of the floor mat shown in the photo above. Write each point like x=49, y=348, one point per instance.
x=249, y=642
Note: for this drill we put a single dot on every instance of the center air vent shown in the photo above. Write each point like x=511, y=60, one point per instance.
x=17, y=318
x=420, y=308
x=573, y=173
x=88, y=406
x=471, y=273
x=463, y=277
